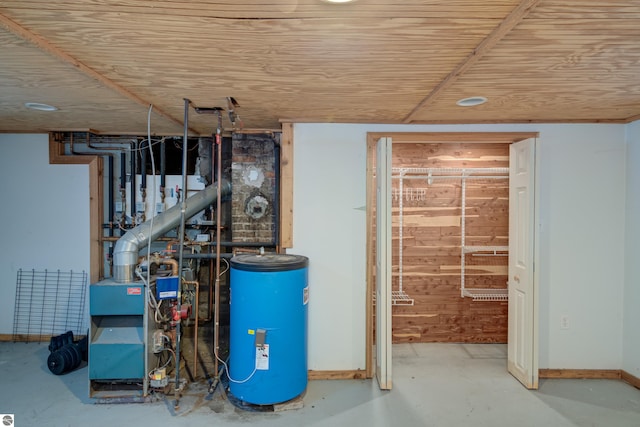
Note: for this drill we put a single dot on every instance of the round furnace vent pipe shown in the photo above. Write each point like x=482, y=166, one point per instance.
x=125, y=255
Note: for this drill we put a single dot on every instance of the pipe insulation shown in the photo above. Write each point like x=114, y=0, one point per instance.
x=125, y=255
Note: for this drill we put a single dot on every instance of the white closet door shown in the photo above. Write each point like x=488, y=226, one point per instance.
x=383, y=264
x=522, y=347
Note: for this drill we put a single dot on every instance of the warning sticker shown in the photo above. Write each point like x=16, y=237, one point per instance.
x=168, y=294
x=134, y=291
x=262, y=358
x=305, y=296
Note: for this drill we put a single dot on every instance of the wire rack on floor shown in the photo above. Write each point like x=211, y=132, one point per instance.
x=48, y=303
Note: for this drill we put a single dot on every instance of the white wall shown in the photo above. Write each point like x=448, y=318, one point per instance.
x=631, y=349
x=582, y=246
x=582, y=187
x=44, y=215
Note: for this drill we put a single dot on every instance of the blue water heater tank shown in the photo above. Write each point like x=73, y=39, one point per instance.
x=268, y=342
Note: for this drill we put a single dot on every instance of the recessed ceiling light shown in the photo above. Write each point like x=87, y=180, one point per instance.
x=40, y=107
x=338, y=1
x=471, y=102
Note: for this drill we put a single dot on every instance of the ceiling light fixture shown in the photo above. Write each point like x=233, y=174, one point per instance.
x=39, y=106
x=339, y=1
x=472, y=101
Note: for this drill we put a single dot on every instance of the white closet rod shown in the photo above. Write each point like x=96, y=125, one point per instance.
x=450, y=173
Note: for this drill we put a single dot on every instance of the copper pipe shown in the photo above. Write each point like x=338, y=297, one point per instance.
x=172, y=242
x=237, y=251
x=162, y=260
x=195, y=333
x=173, y=263
x=211, y=271
x=211, y=263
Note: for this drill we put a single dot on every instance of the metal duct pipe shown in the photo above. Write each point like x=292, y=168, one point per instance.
x=125, y=255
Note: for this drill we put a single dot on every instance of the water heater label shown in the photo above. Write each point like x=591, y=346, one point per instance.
x=262, y=358
x=305, y=296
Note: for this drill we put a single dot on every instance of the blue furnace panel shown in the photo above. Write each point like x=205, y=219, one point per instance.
x=110, y=298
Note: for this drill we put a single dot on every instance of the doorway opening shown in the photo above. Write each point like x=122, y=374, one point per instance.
x=450, y=210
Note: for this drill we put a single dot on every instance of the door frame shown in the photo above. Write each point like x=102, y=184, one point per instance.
x=384, y=213
x=399, y=138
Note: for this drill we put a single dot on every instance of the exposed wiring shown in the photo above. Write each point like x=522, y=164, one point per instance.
x=173, y=353
x=158, y=367
x=224, y=271
x=125, y=219
x=152, y=142
x=179, y=147
x=215, y=350
x=139, y=274
x=165, y=337
x=226, y=368
x=158, y=317
x=153, y=303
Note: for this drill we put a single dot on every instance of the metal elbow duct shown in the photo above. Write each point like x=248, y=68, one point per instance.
x=125, y=255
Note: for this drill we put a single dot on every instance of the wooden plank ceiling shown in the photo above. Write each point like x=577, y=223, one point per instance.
x=103, y=62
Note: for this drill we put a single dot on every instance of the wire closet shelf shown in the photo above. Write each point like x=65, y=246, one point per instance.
x=462, y=174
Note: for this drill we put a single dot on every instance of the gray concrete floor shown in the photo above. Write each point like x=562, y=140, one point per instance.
x=434, y=385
